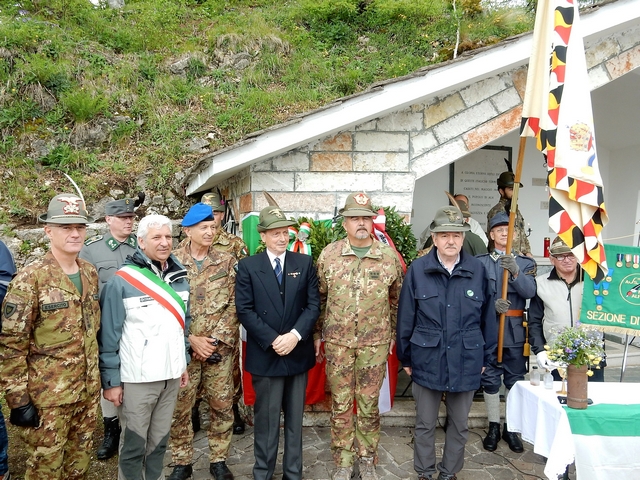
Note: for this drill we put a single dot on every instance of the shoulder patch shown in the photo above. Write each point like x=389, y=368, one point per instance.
x=9, y=309
x=93, y=239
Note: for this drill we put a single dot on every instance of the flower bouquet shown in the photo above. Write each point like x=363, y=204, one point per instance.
x=576, y=351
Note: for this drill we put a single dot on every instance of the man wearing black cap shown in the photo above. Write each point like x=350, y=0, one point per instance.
x=446, y=337
x=213, y=336
x=107, y=253
x=48, y=348
x=505, y=182
x=278, y=303
x=521, y=286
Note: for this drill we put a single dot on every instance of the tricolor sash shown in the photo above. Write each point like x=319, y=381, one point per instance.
x=149, y=283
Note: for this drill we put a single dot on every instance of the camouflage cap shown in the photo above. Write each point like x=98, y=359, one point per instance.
x=464, y=208
x=214, y=200
x=120, y=208
x=272, y=217
x=558, y=247
x=507, y=179
x=448, y=219
x=357, y=205
x=498, y=219
x=66, y=208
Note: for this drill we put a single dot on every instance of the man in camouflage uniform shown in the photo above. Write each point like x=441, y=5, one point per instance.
x=49, y=351
x=107, y=253
x=360, y=281
x=521, y=285
x=505, y=182
x=224, y=241
x=213, y=338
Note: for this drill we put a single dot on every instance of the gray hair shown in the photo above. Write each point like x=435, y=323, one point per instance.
x=152, y=221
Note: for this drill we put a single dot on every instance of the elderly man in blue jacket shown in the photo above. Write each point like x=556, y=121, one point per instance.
x=446, y=336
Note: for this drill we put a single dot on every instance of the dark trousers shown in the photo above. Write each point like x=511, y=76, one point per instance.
x=427, y=404
x=272, y=395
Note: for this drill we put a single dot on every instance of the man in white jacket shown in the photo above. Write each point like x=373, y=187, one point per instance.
x=143, y=347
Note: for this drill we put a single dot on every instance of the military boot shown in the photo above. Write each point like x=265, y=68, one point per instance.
x=238, y=422
x=367, y=469
x=490, y=442
x=111, y=439
x=512, y=439
x=343, y=473
x=220, y=471
x=181, y=472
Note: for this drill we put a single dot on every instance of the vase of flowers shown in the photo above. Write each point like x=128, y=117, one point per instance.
x=579, y=350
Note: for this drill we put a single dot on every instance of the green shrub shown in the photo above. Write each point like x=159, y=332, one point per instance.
x=84, y=105
x=18, y=112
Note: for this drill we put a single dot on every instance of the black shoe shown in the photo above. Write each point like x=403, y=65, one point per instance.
x=490, y=442
x=220, y=471
x=238, y=423
x=513, y=440
x=111, y=439
x=181, y=472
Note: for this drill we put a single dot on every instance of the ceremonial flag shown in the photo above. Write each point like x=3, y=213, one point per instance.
x=557, y=111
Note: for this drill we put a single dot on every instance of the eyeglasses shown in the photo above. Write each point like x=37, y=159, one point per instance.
x=565, y=257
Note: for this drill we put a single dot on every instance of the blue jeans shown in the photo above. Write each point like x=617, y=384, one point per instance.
x=4, y=445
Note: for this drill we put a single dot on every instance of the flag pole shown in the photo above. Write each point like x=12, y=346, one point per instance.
x=512, y=223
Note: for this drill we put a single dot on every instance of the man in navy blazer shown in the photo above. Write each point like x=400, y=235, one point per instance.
x=278, y=303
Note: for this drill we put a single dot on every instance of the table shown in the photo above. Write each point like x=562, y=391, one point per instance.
x=603, y=440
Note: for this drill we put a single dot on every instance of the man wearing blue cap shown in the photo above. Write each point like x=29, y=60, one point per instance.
x=213, y=336
x=521, y=286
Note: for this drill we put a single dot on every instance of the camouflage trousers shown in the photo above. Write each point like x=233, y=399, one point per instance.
x=237, y=379
x=60, y=448
x=355, y=373
x=216, y=384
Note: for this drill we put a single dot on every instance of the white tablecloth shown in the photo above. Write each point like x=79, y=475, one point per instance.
x=536, y=413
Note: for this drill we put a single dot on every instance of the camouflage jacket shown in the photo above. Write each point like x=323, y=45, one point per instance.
x=225, y=242
x=48, y=346
x=213, y=306
x=359, y=296
x=521, y=241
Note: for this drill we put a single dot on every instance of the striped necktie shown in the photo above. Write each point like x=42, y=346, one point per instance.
x=278, y=271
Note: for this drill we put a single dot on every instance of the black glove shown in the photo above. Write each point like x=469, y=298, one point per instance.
x=25, y=416
x=509, y=263
x=214, y=358
x=502, y=305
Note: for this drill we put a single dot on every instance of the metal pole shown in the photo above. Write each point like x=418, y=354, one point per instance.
x=624, y=355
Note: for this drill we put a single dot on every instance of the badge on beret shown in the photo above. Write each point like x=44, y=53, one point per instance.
x=276, y=212
x=361, y=199
x=9, y=309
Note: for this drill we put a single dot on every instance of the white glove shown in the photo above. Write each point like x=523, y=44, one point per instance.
x=543, y=361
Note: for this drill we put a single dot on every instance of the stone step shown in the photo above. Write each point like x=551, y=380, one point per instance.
x=403, y=414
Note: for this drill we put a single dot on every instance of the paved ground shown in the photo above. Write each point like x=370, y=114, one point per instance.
x=396, y=445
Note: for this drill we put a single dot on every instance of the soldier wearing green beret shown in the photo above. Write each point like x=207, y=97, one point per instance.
x=359, y=280
x=107, y=253
x=49, y=351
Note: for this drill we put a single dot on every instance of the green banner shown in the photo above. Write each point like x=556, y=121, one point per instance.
x=614, y=303
x=250, y=234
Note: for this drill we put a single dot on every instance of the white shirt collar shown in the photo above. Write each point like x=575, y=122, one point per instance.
x=273, y=256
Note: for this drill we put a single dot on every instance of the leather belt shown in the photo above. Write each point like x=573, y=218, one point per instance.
x=514, y=313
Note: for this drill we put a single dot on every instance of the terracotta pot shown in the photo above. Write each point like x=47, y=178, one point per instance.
x=577, y=386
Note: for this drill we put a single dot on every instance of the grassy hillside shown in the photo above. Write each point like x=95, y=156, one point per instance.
x=108, y=95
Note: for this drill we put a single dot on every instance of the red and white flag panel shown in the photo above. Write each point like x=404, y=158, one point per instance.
x=557, y=112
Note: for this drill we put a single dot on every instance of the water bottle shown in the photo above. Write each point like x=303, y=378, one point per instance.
x=548, y=380
x=535, y=376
